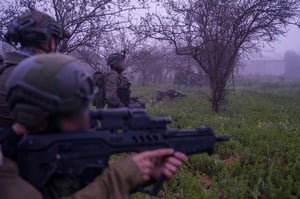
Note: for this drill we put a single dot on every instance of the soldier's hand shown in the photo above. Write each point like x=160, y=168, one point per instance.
x=19, y=129
x=153, y=164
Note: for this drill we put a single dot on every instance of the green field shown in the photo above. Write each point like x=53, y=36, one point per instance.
x=262, y=160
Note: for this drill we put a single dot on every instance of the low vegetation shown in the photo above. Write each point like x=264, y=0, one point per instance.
x=262, y=158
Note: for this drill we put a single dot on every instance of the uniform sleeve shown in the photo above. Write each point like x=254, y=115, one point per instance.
x=116, y=182
x=5, y=117
x=111, y=95
x=12, y=186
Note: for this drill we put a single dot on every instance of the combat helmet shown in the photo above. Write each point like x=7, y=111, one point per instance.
x=47, y=84
x=33, y=28
x=115, y=58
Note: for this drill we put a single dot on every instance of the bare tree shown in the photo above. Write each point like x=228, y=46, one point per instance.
x=92, y=58
x=216, y=33
x=86, y=21
x=144, y=62
x=8, y=10
x=155, y=64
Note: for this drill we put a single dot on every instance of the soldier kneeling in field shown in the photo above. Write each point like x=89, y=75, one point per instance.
x=51, y=93
x=170, y=94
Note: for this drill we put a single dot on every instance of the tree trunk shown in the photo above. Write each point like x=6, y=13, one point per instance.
x=217, y=94
x=144, y=80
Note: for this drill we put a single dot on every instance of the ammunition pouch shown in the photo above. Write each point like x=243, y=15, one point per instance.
x=124, y=95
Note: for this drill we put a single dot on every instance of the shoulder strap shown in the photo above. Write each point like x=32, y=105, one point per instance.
x=12, y=59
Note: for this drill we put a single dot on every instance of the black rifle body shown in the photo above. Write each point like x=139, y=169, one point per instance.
x=40, y=156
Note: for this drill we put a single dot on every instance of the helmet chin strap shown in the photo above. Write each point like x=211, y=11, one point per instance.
x=28, y=115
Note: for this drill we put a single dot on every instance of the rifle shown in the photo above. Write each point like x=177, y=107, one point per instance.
x=85, y=154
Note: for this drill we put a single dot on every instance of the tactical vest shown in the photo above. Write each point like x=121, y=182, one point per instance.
x=124, y=95
x=99, y=79
x=123, y=90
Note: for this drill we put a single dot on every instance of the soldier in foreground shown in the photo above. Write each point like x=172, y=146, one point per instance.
x=37, y=33
x=51, y=93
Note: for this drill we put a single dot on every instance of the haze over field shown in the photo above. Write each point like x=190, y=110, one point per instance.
x=290, y=42
x=270, y=61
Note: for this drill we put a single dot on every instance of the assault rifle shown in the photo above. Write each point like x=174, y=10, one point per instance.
x=85, y=154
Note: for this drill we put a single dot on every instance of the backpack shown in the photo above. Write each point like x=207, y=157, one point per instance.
x=99, y=79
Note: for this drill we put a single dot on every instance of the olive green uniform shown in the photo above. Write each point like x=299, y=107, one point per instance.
x=99, y=98
x=67, y=88
x=10, y=61
x=31, y=30
x=112, y=183
x=117, y=90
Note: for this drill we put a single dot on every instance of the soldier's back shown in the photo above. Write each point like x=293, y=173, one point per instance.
x=10, y=60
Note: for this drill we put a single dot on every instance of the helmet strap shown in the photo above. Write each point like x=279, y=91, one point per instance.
x=28, y=115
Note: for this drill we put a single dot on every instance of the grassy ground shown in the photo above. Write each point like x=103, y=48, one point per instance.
x=262, y=160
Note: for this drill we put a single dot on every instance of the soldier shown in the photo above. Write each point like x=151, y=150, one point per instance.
x=36, y=33
x=117, y=86
x=170, y=94
x=52, y=92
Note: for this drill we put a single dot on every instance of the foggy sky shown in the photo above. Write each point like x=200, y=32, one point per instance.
x=270, y=60
x=289, y=42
